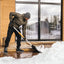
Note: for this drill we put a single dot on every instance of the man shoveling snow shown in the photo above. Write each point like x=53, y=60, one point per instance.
x=16, y=20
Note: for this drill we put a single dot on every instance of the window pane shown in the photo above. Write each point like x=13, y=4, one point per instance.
x=50, y=24
x=32, y=26
x=54, y=1
x=28, y=0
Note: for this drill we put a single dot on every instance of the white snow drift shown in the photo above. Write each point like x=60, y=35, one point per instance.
x=53, y=55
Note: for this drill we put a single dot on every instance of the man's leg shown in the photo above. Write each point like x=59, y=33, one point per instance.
x=18, y=40
x=9, y=33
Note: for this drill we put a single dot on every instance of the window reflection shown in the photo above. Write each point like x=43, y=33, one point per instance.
x=50, y=22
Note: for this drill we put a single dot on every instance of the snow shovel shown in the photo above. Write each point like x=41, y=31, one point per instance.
x=33, y=47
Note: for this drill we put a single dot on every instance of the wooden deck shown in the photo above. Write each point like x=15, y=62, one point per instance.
x=25, y=47
x=18, y=55
x=28, y=51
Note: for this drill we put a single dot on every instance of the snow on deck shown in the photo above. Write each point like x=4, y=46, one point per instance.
x=53, y=55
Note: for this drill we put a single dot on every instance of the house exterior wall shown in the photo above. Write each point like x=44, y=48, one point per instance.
x=6, y=6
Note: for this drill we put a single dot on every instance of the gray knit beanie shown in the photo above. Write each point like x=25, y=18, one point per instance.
x=27, y=15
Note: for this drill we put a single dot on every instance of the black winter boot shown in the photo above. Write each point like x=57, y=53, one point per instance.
x=5, y=50
x=19, y=50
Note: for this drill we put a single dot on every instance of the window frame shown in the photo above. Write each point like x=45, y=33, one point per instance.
x=39, y=8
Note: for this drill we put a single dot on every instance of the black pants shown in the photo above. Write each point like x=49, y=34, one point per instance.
x=9, y=34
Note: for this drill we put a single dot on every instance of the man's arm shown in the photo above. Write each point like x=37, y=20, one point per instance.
x=12, y=15
x=24, y=31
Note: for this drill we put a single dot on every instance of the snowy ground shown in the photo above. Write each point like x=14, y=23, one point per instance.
x=53, y=55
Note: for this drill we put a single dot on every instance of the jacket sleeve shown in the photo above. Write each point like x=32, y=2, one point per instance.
x=24, y=30
x=12, y=15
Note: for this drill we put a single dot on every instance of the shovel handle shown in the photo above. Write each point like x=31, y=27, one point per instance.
x=21, y=35
x=19, y=32
x=28, y=42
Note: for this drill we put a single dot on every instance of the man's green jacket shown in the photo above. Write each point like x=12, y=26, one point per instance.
x=17, y=20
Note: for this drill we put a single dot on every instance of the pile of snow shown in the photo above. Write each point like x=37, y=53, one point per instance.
x=53, y=55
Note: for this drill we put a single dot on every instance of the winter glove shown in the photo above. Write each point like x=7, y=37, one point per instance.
x=24, y=38
x=20, y=28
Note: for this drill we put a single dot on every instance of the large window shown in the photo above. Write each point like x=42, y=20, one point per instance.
x=45, y=21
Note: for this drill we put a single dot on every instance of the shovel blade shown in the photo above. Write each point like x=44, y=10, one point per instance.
x=35, y=49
